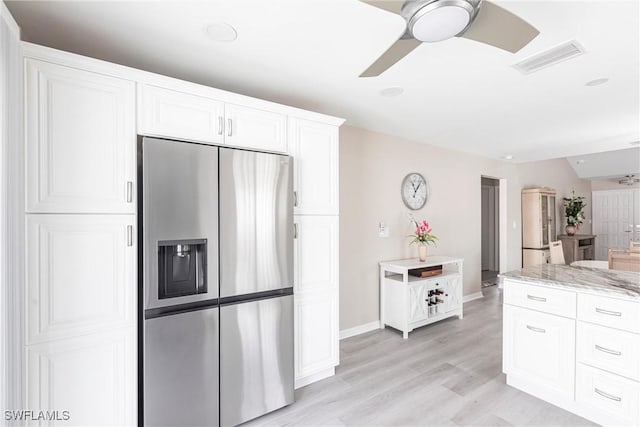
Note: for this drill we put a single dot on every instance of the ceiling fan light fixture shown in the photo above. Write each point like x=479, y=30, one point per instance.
x=629, y=180
x=441, y=20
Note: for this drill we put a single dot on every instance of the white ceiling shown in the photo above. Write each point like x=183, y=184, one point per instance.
x=611, y=164
x=308, y=53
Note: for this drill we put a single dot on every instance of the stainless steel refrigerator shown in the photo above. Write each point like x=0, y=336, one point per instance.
x=216, y=226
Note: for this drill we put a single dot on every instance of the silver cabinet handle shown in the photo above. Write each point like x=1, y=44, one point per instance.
x=607, y=395
x=295, y=199
x=229, y=127
x=610, y=313
x=536, y=298
x=129, y=235
x=129, y=191
x=220, y=125
x=534, y=329
x=606, y=350
x=295, y=231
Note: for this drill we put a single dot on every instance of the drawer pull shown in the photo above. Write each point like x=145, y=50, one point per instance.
x=606, y=350
x=607, y=395
x=537, y=298
x=534, y=329
x=610, y=313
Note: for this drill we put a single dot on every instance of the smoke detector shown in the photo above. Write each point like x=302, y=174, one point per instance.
x=629, y=180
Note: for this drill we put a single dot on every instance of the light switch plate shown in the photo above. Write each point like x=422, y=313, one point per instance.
x=383, y=230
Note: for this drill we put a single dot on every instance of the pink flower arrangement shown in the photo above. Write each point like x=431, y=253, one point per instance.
x=422, y=233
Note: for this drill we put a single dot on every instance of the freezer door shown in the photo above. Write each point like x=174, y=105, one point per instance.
x=256, y=222
x=181, y=369
x=256, y=358
x=180, y=222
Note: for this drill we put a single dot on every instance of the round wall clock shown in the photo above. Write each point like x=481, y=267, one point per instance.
x=414, y=191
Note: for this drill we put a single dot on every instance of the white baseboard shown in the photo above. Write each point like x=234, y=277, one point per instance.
x=471, y=297
x=360, y=329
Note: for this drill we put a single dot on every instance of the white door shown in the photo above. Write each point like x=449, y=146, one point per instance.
x=616, y=219
x=168, y=113
x=540, y=347
x=316, y=295
x=81, y=275
x=316, y=254
x=80, y=141
x=316, y=334
x=314, y=147
x=253, y=128
x=93, y=377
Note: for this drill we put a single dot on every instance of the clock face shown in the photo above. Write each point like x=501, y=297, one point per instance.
x=414, y=191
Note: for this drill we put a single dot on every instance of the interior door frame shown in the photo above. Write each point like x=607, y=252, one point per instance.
x=502, y=257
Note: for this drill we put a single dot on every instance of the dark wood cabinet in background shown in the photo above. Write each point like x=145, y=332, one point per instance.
x=578, y=247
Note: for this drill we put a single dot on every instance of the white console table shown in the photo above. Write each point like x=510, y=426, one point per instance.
x=404, y=299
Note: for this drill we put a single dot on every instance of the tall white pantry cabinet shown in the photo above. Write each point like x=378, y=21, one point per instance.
x=83, y=118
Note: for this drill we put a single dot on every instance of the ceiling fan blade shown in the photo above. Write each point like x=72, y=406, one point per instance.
x=393, y=6
x=395, y=53
x=498, y=27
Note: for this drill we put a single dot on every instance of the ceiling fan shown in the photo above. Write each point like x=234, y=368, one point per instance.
x=437, y=20
x=629, y=180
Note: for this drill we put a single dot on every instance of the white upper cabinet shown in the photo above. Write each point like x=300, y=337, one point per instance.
x=168, y=113
x=314, y=147
x=80, y=141
x=172, y=114
x=253, y=128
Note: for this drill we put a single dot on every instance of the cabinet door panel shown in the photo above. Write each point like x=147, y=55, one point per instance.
x=168, y=113
x=80, y=274
x=93, y=377
x=81, y=141
x=316, y=254
x=540, y=348
x=316, y=333
x=253, y=128
x=314, y=147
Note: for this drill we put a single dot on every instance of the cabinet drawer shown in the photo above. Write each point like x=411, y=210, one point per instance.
x=612, y=399
x=611, y=312
x=554, y=301
x=540, y=348
x=609, y=349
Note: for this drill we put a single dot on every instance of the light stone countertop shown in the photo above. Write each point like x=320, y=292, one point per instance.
x=613, y=282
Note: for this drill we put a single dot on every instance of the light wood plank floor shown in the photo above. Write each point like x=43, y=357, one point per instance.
x=445, y=374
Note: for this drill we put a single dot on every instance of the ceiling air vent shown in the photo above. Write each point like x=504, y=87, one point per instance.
x=550, y=57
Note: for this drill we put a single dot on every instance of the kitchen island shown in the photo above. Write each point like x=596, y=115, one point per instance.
x=571, y=336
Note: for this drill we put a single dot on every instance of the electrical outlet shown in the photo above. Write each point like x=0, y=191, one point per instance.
x=383, y=230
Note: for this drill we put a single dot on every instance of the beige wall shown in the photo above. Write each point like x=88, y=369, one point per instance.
x=372, y=166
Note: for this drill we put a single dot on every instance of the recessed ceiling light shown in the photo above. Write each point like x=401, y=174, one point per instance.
x=597, y=82
x=508, y=157
x=391, y=91
x=221, y=32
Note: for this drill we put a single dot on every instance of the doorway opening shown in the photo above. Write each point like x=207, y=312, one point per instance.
x=490, y=248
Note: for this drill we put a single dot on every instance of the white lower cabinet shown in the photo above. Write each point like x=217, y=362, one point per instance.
x=80, y=318
x=540, y=347
x=316, y=337
x=316, y=297
x=606, y=398
x=93, y=378
x=542, y=351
